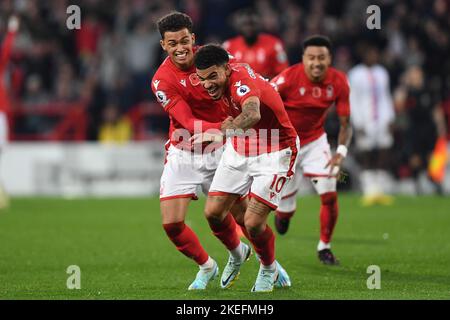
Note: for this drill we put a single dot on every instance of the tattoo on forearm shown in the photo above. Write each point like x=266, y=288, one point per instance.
x=249, y=116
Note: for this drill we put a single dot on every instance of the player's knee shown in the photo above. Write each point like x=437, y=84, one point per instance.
x=254, y=227
x=329, y=198
x=213, y=213
x=174, y=229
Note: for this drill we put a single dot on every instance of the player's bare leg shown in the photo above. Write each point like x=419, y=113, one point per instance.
x=173, y=213
x=223, y=225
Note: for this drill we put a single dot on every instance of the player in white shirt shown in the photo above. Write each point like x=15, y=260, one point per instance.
x=372, y=117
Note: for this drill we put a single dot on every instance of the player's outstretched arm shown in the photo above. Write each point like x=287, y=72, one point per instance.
x=183, y=114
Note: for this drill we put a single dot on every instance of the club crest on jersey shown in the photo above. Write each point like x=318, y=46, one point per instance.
x=162, y=98
x=242, y=90
x=193, y=78
x=330, y=91
x=316, y=93
x=302, y=91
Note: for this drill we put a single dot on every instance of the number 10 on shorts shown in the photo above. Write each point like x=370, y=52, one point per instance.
x=278, y=183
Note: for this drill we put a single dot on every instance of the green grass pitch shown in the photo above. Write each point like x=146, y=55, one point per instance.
x=123, y=253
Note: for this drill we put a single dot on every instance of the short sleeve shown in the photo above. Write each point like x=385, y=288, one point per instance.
x=244, y=85
x=165, y=93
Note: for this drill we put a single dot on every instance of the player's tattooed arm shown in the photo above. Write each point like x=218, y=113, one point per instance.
x=247, y=119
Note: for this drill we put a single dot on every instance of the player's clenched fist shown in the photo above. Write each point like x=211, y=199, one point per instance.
x=206, y=137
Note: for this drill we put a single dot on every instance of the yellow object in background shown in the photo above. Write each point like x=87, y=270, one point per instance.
x=438, y=161
x=119, y=132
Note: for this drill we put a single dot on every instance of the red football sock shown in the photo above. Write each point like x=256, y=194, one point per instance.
x=285, y=215
x=264, y=245
x=226, y=231
x=328, y=215
x=186, y=241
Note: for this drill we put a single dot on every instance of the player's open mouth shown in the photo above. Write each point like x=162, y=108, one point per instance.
x=181, y=56
x=213, y=91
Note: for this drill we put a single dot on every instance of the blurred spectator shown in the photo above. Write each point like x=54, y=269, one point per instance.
x=115, y=128
x=372, y=117
x=423, y=122
x=262, y=51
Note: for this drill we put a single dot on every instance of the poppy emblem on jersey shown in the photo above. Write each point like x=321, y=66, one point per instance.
x=302, y=91
x=193, y=78
x=330, y=91
x=162, y=98
x=243, y=90
x=316, y=93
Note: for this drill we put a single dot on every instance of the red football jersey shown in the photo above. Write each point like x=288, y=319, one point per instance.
x=183, y=97
x=307, y=103
x=267, y=56
x=274, y=131
x=5, y=53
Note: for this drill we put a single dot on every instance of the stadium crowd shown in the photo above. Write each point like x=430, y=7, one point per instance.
x=108, y=64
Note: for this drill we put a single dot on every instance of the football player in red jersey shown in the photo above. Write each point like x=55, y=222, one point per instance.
x=253, y=160
x=190, y=109
x=308, y=90
x=263, y=52
x=5, y=53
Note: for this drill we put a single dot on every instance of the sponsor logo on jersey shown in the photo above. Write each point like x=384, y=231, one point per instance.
x=162, y=98
x=302, y=91
x=183, y=83
x=156, y=84
x=242, y=90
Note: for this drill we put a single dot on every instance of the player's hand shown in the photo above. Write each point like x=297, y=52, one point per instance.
x=205, y=137
x=13, y=24
x=227, y=124
x=335, y=165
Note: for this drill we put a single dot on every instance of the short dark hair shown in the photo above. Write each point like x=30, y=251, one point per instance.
x=174, y=21
x=210, y=55
x=317, y=41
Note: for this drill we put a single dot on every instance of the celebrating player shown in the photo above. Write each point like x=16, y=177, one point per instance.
x=5, y=53
x=308, y=90
x=251, y=160
x=263, y=52
x=178, y=90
